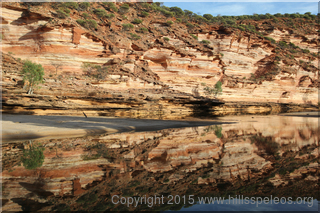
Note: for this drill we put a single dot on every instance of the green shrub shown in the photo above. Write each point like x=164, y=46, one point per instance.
x=293, y=45
x=137, y=21
x=189, y=25
x=111, y=15
x=166, y=38
x=241, y=28
x=90, y=157
x=61, y=14
x=178, y=12
x=33, y=158
x=124, y=8
x=152, y=7
x=127, y=26
x=92, y=24
x=85, y=15
x=200, y=19
x=283, y=44
x=194, y=36
x=124, y=17
x=270, y=39
x=145, y=5
x=230, y=22
x=89, y=24
x=100, y=13
x=114, y=8
x=293, y=51
x=134, y=36
x=294, y=15
x=81, y=22
x=256, y=17
x=188, y=14
x=167, y=14
x=67, y=10
x=208, y=17
x=157, y=4
x=178, y=20
x=71, y=5
x=144, y=14
x=205, y=42
x=307, y=17
x=169, y=23
x=143, y=30
x=306, y=51
x=111, y=6
x=278, y=15
x=84, y=5
x=277, y=58
x=218, y=129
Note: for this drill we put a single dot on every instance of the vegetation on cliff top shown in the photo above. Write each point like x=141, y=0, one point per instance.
x=93, y=16
x=190, y=19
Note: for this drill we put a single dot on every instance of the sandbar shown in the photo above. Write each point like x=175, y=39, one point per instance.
x=28, y=127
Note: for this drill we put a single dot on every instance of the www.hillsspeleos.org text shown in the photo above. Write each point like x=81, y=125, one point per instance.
x=191, y=199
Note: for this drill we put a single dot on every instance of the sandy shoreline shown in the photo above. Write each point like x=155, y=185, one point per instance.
x=303, y=114
x=26, y=127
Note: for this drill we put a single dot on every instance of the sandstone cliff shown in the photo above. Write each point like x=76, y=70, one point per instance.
x=161, y=62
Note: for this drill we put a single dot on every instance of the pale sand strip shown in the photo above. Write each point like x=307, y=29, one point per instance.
x=23, y=127
x=303, y=114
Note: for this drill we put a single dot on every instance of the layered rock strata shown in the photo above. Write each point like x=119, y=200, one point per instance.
x=181, y=65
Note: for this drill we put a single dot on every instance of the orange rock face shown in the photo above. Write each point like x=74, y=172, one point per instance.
x=180, y=64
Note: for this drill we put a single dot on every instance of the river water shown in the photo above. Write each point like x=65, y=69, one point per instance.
x=255, y=163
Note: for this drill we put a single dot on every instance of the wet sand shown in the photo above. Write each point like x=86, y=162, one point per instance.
x=26, y=127
x=303, y=114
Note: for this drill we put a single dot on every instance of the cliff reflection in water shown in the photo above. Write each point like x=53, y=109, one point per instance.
x=260, y=156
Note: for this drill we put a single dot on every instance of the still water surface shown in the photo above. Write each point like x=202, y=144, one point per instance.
x=244, y=164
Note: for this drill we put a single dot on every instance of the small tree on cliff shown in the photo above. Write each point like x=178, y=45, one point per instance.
x=33, y=75
x=56, y=65
x=214, y=91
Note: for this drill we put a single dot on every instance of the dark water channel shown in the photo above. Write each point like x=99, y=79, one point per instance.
x=257, y=163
